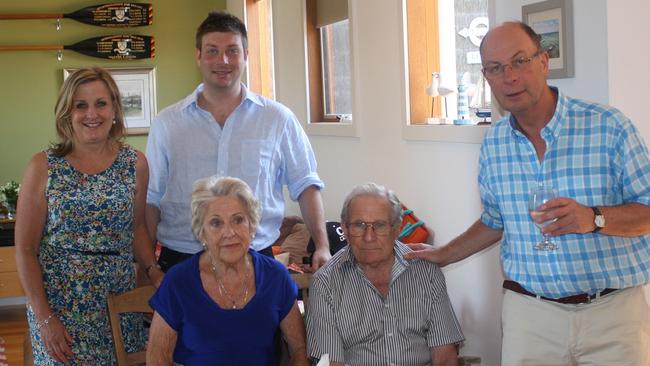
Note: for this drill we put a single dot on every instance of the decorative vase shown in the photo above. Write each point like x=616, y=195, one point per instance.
x=11, y=210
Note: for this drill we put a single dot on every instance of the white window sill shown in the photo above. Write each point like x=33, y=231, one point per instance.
x=470, y=134
x=339, y=129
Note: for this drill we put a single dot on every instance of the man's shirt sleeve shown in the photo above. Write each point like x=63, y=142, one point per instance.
x=442, y=322
x=157, y=159
x=299, y=167
x=633, y=161
x=322, y=333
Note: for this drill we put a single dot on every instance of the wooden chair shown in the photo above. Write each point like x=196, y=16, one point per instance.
x=303, y=280
x=134, y=301
x=468, y=360
x=28, y=355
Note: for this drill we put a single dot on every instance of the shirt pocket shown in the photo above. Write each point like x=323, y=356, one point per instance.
x=255, y=157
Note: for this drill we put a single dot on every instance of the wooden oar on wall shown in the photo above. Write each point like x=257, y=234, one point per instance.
x=104, y=15
x=119, y=47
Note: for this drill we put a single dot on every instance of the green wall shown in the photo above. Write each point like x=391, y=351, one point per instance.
x=30, y=80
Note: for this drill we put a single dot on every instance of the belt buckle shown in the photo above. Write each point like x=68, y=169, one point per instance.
x=591, y=298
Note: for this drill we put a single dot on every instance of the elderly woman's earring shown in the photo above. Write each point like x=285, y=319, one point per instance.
x=114, y=121
x=205, y=246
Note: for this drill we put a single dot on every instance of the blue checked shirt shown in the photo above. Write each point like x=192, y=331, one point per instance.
x=595, y=156
x=261, y=143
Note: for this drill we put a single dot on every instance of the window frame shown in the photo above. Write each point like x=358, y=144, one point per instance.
x=347, y=128
x=260, y=75
x=291, y=66
x=314, y=62
x=471, y=134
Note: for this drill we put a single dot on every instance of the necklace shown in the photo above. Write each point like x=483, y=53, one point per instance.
x=222, y=289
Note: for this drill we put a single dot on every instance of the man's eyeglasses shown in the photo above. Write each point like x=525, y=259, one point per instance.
x=358, y=228
x=495, y=70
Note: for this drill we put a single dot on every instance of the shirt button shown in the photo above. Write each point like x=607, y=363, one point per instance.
x=390, y=334
x=386, y=306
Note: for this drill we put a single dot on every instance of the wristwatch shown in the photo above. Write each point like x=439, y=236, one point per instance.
x=599, y=219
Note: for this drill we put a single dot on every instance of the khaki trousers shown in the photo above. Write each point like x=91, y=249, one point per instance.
x=611, y=330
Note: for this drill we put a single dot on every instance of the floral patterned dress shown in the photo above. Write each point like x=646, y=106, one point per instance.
x=86, y=253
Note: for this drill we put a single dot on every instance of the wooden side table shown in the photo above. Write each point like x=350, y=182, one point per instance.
x=9, y=281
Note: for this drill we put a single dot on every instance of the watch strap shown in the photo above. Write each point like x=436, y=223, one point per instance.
x=597, y=213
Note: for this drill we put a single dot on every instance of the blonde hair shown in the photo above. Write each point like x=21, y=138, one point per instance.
x=206, y=189
x=64, y=107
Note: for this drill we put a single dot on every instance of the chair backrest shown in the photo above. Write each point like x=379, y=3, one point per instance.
x=134, y=301
x=303, y=280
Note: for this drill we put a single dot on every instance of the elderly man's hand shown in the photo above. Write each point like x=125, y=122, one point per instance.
x=320, y=257
x=426, y=252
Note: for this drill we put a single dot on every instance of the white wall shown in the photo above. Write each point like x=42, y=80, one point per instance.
x=629, y=71
x=590, y=46
x=628, y=63
x=436, y=179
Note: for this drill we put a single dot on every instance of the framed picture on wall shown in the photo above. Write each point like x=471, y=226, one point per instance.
x=553, y=20
x=138, y=92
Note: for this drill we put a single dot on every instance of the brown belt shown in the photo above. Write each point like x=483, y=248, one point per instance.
x=575, y=299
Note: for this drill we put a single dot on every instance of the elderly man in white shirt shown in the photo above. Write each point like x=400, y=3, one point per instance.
x=368, y=305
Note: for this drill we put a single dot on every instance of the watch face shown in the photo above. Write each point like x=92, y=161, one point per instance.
x=600, y=221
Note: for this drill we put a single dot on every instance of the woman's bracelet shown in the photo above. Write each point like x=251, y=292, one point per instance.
x=149, y=267
x=45, y=322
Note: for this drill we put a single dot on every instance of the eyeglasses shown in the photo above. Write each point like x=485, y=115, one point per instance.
x=358, y=228
x=495, y=70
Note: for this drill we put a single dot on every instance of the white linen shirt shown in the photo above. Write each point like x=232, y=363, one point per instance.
x=261, y=143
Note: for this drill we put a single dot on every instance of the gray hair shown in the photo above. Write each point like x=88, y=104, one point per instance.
x=206, y=189
x=374, y=189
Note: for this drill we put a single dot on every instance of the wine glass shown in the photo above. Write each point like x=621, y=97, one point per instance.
x=538, y=197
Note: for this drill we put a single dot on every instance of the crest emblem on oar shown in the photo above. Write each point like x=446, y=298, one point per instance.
x=118, y=47
x=104, y=15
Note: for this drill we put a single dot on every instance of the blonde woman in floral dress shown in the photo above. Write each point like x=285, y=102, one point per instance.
x=80, y=219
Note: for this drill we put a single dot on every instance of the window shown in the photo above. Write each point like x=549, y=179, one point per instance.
x=443, y=38
x=335, y=59
x=260, y=47
x=328, y=59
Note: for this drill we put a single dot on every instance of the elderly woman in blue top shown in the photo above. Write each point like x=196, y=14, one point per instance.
x=223, y=306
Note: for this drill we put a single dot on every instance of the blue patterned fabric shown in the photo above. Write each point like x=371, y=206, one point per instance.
x=85, y=253
x=595, y=156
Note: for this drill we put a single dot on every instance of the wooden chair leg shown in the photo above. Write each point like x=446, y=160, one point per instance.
x=28, y=356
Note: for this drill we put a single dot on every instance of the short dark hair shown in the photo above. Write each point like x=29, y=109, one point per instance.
x=536, y=38
x=221, y=21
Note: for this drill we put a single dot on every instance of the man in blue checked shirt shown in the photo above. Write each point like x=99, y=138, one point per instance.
x=581, y=302
x=224, y=129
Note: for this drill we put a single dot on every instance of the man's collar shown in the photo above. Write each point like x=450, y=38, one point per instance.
x=555, y=123
x=193, y=99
